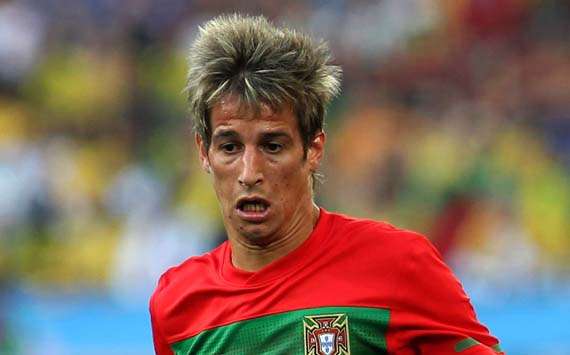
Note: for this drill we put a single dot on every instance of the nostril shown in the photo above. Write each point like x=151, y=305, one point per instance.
x=252, y=182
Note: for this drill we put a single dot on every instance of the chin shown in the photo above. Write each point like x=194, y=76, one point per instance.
x=256, y=234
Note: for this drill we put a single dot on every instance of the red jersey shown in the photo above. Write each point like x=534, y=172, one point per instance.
x=353, y=287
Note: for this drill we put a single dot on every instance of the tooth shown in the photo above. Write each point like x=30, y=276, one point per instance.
x=253, y=207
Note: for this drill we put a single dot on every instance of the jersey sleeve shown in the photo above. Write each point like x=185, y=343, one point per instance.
x=432, y=314
x=160, y=345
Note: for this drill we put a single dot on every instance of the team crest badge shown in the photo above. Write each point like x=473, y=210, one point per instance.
x=326, y=334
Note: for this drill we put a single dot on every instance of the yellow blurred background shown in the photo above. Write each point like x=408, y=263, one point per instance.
x=454, y=121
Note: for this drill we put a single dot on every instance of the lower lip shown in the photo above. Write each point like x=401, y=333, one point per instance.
x=254, y=217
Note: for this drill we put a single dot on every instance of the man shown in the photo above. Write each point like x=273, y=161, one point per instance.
x=294, y=278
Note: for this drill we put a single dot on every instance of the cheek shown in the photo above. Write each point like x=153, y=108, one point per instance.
x=291, y=181
x=222, y=170
x=223, y=184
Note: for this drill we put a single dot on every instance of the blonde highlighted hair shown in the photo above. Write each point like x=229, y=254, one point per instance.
x=260, y=64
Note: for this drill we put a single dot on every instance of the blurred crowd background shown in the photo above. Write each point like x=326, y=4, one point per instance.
x=454, y=121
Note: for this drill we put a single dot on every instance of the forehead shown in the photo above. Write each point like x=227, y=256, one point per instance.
x=230, y=113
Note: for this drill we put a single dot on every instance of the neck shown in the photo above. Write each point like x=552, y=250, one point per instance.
x=253, y=257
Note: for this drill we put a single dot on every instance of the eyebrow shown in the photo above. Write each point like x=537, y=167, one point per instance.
x=225, y=133
x=273, y=135
x=229, y=133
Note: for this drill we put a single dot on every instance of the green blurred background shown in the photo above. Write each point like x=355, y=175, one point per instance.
x=454, y=121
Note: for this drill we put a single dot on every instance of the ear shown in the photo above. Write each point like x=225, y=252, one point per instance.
x=202, y=152
x=316, y=150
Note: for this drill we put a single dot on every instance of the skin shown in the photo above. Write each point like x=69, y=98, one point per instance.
x=261, y=156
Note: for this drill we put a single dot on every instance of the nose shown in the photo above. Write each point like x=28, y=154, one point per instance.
x=251, y=173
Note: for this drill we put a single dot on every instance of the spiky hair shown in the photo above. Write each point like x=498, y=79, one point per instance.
x=260, y=64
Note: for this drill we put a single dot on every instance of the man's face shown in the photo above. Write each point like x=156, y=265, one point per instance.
x=261, y=176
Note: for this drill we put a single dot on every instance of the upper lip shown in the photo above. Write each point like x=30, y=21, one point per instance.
x=254, y=198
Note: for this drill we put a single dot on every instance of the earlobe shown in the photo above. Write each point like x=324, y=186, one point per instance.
x=202, y=152
x=316, y=150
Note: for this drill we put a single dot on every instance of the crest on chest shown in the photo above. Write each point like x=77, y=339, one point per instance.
x=326, y=334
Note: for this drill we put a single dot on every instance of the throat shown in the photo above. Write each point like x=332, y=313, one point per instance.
x=253, y=254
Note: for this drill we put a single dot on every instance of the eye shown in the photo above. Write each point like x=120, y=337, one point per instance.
x=273, y=147
x=229, y=148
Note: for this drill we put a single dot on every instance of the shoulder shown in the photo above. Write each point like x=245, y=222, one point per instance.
x=379, y=235
x=407, y=258
x=189, y=276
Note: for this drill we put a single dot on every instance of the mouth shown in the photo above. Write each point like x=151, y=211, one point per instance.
x=253, y=209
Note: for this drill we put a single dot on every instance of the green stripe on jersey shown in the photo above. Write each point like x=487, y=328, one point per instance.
x=465, y=344
x=470, y=342
x=497, y=348
x=356, y=330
